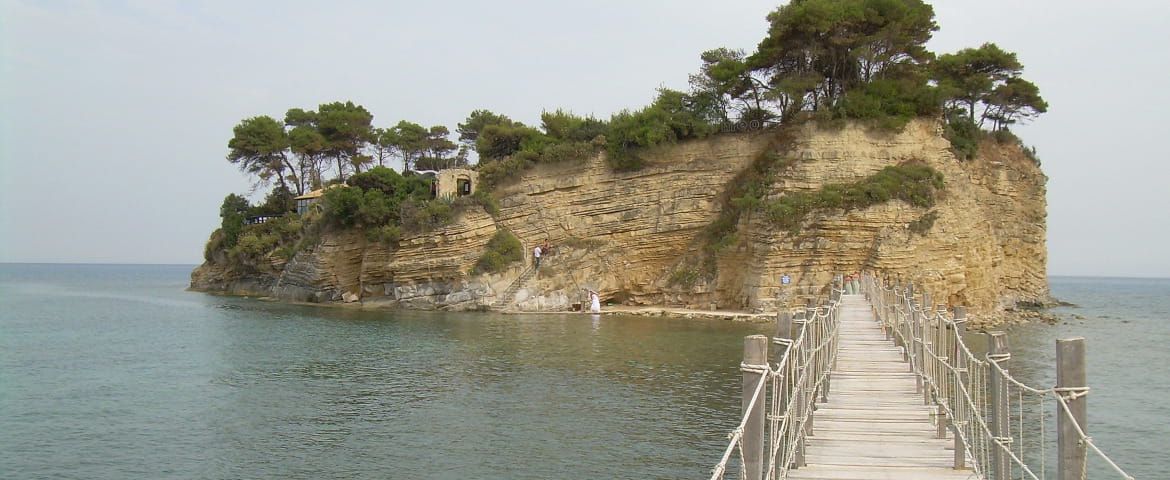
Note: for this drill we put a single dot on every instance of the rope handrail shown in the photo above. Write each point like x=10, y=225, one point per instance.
x=998, y=421
x=961, y=385
x=795, y=378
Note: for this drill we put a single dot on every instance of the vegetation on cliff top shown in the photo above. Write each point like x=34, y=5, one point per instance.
x=824, y=60
x=831, y=60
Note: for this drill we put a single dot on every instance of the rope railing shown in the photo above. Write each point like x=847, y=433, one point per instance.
x=805, y=350
x=997, y=421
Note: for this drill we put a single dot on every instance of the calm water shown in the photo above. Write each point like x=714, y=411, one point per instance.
x=114, y=372
x=1126, y=325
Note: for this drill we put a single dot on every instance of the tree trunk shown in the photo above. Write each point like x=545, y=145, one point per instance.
x=297, y=178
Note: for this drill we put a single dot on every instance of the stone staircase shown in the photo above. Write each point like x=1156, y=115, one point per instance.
x=510, y=294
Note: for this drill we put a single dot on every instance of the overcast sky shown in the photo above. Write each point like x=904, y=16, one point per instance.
x=114, y=116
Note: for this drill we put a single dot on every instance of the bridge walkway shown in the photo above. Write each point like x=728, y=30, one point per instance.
x=874, y=425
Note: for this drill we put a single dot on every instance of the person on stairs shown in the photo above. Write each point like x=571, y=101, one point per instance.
x=536, y=256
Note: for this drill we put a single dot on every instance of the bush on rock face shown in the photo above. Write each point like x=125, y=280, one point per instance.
x=502, y=250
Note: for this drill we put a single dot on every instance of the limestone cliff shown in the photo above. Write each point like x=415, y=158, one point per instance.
x=628, y=235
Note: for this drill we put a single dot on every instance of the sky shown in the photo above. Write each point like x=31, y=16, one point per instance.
x=115, y=115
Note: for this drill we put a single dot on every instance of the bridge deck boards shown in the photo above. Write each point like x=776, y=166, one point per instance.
x=874, y=427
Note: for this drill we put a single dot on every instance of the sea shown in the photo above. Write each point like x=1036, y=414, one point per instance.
x=118, y=372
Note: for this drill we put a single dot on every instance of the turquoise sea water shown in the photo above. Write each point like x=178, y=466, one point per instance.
x=115, y=372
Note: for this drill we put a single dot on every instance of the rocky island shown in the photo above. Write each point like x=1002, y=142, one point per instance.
x=704, y=199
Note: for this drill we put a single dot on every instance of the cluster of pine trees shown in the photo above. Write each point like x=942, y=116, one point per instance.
x=823, y=59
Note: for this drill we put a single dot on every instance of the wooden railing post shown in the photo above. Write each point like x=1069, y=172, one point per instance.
x=997, y=351
x=797, y=413
x=809, y=390
x=960, y=363
x=928, y=321
x=755, y=360
x=780, y=345
x=1070, y=384
x=943, y=349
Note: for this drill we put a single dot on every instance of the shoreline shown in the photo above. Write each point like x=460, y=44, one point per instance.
x=642, y=311
x=1004, y=319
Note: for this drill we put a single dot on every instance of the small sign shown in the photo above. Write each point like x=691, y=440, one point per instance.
x=785, y=279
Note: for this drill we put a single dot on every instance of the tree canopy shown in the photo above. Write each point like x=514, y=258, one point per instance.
x=820, y=59
x=297, y=153
x=818, y=50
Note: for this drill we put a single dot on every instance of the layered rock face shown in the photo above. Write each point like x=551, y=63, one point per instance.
x=629, y=235
x=985, y=248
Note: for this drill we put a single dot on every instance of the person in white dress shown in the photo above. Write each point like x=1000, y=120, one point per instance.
x=594, y=302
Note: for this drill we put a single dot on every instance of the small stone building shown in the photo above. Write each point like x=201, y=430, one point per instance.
x=455, y=182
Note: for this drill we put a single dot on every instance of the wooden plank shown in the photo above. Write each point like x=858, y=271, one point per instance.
x=874, y=426
x=834, y=472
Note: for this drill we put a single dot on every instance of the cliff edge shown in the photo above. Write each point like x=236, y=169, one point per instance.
x=642, y=238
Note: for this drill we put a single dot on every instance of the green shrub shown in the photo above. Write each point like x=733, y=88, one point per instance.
x=567, y=127
x=913, y=183
x=341, y=205
x=374, y=198
x=745, y=193
x=287, y=252
x=499, y=141
x=495, y=172
x=964, y=136
x=484, y=198
x=379, y=178
x=924, y=223
x=685, y=277
x=1030, y=152
x=425, y=215
x=1004, y=136
x=253, y=246
x=889, y=103
x=278, y=202
x=214, y=244
x=672, y=117
x=567, y=152
x=376, y=208
x=232, y=212
x=387, y=234
x=502, y=250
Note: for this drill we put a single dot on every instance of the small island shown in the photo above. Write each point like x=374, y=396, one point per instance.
x=841, y=144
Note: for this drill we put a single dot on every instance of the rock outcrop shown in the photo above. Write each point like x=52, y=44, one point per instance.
x=629, y=235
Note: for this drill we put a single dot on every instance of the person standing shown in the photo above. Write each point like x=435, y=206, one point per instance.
x=594, y=302
x=536, y=256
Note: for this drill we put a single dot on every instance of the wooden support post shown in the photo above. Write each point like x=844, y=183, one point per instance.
x=1070, y=383
x=755, y=356
x=927, y=362
x=915, y=346
x=959, y=357
x=785, y=329
x=960, y=450
x=798, y=392
x=809, y=391
x=943, y=347
x=997, y=351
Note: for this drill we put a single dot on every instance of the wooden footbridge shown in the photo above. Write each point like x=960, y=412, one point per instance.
x=872, y=385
